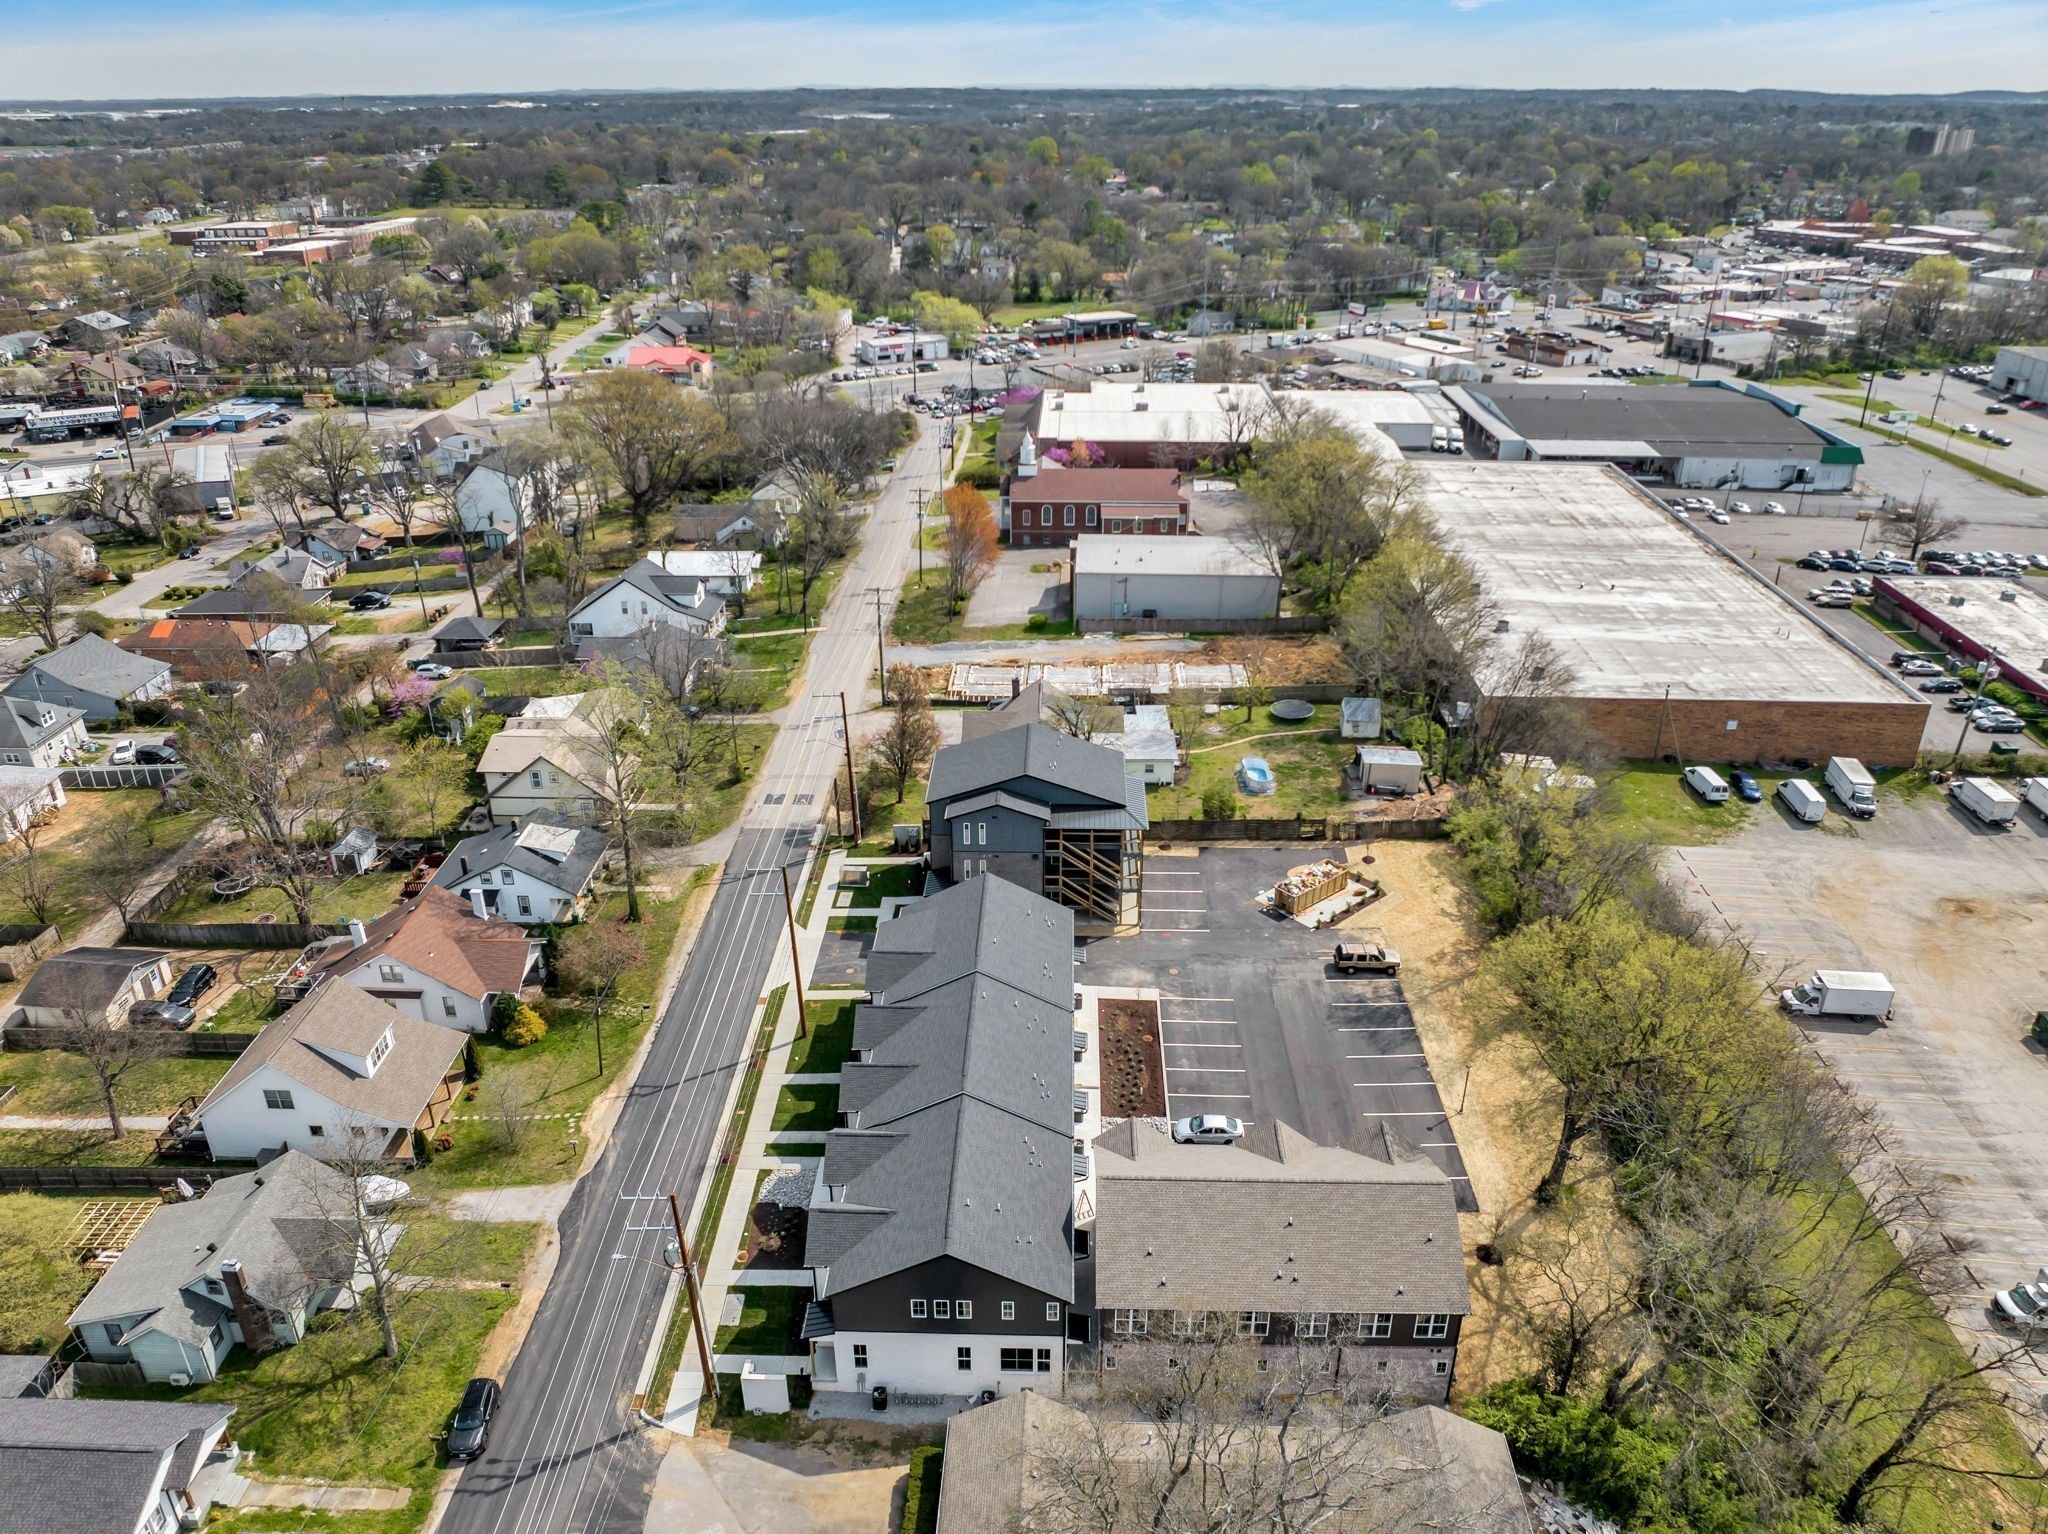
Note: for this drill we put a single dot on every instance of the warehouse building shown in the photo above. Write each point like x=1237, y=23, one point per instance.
x=1707, y=436
x=1997, y=620
x=1671, y=647
x=1185, y=579
x=2021, y=370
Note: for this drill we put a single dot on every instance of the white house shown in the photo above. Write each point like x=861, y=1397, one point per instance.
x=531, y=871
x=38, y=734
x=441, y=446
x=645, y=594
x=27, y=794
x=440, y=957
x=726, y=572
x=544, y=766
x=342, y=1071
x=495, y=506
x=1147, y=742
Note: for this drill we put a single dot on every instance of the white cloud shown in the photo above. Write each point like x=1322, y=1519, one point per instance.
x=1892, y=47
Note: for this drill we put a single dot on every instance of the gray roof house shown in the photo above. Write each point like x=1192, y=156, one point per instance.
x=113, y=1467
x=466, y=633
x=34, y=733
x=940, y=1231
x=94, y=326
x=537, y=870
x=1057, y=815
x=92, y=987
x=641, y=595
x=1313, y=1243
x=93, y=675
x=250, y=1262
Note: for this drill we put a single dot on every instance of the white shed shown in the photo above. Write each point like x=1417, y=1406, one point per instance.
x=1392, y=770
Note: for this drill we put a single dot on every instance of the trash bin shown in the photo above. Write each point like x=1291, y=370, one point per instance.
x=879, y=1398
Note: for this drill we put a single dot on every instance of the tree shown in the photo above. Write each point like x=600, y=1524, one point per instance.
x=38, y=591
x=122, y=855
x=592, y=957
x=1933, y=285
x=970, y=538
x=1082, y=718
x=1215, y=362
x=911, y=736
x=1322, y=505
x=956, y=321
x=1920, y=525
x=110, y=1051
x=620, y=722
x=326, y=465
x=655, y=440
x=29, y=873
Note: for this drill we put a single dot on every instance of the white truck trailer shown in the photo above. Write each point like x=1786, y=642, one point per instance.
x=1840, y=993
x=1988, y=801
x=1853, y=786
x=2034, y=791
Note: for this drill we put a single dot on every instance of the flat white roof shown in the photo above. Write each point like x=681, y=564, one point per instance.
x=709, y=564
x=2006, y=617
x=1154, y=412
x=1633, y=601
x=1105, y=554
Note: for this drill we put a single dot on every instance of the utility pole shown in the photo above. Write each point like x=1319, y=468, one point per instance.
x=852, y=783
x=920, y=492
x=881, y=659
x=796, y=963
x=696, y=1299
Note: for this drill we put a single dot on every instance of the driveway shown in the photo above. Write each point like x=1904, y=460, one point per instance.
x=1253, y=1022
x=743, y=1487
x=1957, y=916
x=1013, y=591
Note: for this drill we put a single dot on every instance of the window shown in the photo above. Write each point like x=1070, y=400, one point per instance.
x=1432, y=1328
x=942, y=1310
x=1091, y=516
x=1070, y=516
x=1376, y=1328
x=447, y=1006
x=275, y=1097
x=390, y=974
x=1440, y=1367
x=485, y=880
x=1045, y=1360
x=535, y=776
x=1128, y=1323
x=1313, y=1323
x=1116, y=524
x=1254, y=1323
x=13, y=758
x=1015, y=1360
x=981, y=832
x=1081, y=1243
x=917, y=1310
x=1052, y=1310
x=525, y=906
x=860, y=1355
x=317, y=1131
x=1009, y=1310
x=964, y=1359
x=1184, y=1323
x=963, y=1310
x=379, y=1050
x=1109, y=1360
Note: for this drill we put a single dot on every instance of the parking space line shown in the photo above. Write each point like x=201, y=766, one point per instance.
x=1403, y=1028
x=1168, y=909
x=1204, y=1046
x=1208, y=1070
x=1198, y=1022
x=1368, y=1003
x=1408, y=1086
x=1168, y=996
x=1414, y=1054
x=1411, y=1114
x=1164, y=931
x=1218, y=1097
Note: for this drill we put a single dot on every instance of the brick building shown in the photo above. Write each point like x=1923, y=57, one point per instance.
x=1045, y=506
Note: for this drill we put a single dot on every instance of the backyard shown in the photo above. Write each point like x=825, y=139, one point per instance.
x=74, y=876
x=1308, y=770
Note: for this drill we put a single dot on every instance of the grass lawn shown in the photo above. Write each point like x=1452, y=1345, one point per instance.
x=438, y=1246
x=880, y=812
x=1905, y=634
x=75, y=877
x=829, y=1041
x=1308, y=768
x=558, y=1074
x=806, y=1108
x=366, y=896
x=1017, y=314
x=923, y=616
x=1650, y=798
x=849, y=923
x=130, y=557
x=766, y=1319
x=32, y=1314
x=71, y=1147
x=768, y=667
x=530, y=681
x=721, y=806
x=889, y=883
x=244, y=1012
x=54, y=1083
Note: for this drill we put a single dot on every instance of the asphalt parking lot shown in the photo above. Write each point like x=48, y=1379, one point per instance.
x=1955, y=914
x=1254, y=1023
x=1013, y=591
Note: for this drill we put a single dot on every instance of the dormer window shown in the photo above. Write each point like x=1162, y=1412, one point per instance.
x=379, y=1050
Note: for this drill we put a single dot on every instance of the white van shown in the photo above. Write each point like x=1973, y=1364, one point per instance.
x=1707, y=783
x=1806, y=802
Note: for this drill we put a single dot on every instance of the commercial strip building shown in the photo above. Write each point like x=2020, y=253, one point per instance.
x=1996, y=620
x=1195, y=579
x=921, y=346
x=1670, y=646
x=1709, y=435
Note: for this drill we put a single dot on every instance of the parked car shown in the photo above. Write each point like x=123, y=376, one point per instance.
x=123, y=754
x=367, y=601
x=277, y=439
x=1774, y=508
x=1941, y=684
x=1745, y=786
x=432, y=670
x=365, y=767
x=1740, y=508
x=1812, y=562
x=2025, y=1305
x=1918, y=667
x=1209, y=1129
x=192, y=986
x=470, y=1428
x=157, y=756
x=1366, y=954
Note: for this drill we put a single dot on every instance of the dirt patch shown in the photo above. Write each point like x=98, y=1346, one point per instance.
x=1133, y=1069
x=774, y=1237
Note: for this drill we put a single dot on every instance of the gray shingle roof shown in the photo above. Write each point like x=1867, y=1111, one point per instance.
x=99, y=1461
x=975, y=1036
x=1276, y=1222
x=287, y=1224
x=1010, y=758
x=85, y=979
x=91, y=664
x=467, y=628
x=26, y=722
x=980, y=926
x=684, y=594
x=1026, y=707
x=527, y=849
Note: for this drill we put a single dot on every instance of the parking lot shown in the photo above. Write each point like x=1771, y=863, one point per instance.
x=1956, y=915
x=1014, y=589
x=1254, y=1022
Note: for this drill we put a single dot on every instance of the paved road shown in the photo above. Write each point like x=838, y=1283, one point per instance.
x=567, y=1452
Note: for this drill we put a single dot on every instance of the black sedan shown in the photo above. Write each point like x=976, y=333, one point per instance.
x=157, y=756
x=470, y=1428
x=1941, y=684
x=369, y=601
x=1811, y=562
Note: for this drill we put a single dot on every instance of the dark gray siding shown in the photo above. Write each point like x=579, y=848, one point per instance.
x=884, y=1305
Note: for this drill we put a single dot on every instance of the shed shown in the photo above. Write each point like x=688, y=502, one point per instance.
x=1387, y=770
x=1359, y=718
x=355, y=853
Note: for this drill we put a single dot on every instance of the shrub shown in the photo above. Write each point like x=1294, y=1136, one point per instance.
x=527, y=1027
x=921, y=1490
x=1036, y=622
x=1603, y=1463
x=90, y=621
x=1218, y=803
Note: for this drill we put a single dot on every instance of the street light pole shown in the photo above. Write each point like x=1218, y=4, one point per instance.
x=881, y=656
x=852, y=783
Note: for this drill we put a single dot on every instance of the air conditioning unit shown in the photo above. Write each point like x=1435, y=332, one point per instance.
x=181, y=1380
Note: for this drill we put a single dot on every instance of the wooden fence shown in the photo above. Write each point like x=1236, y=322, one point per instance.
x=1298, y=829
x=1306, y=623
x=231, y=934
x=491, y=660
x=21, y=947
x=190, y=1045
x=96, y=1179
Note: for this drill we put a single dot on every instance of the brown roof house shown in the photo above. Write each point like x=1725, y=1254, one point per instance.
x=92, y=987
x=341, y=1073
x=1049, y=507
x=441, y=957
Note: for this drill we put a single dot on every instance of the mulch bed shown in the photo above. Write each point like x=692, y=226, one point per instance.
x=1133, y=1070
x=775, y=1237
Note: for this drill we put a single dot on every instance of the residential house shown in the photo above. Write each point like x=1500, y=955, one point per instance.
x=1283, y=1241
x=495, y=506
x=463, y=632
x=252, y=1262
x=64, y=549
x=744, y=524
x=341, y=1073
x=458, y=341
x=95, y=331
x=1056, y=815
x=336, y=542
x=685, y=322
x=454, y=708
x=940, y=1230
x=204, y=650
x=440, y=957
x=92, y=987
x=545, y=766
x=263, y=590
x=375, y=377
x=94, y=675
x=539, y=870
x=38, y=734
x=1146, y=742
x=23, y=346
x=776, y=500
x=308, y=570
x=414, y=364
x=112, y=1467
x=1420, y=1471
x=730, y=573
x=643, y=595
x=1025, y=705
x=167, y=359
x=442, y=446
x=1051, y=508
x=28, y=797
x=685, y=364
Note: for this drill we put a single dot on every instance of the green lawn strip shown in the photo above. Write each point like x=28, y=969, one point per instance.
x=1908, y=637
x=246, y=1011
x=130, y=558
x=1308, y=772
x=530, y=681
x=829, y=1041
x=852, y=923
x=805, y=1109
x=1652, y=799
x=768, y=1318
x=54, y=1083
x=366, y=897
x=332, y=1408
x=678, y=1338
x=771, y=652
x=48, y=1282
x=812, y=882
x=1878, y=404
x=77, y=881
x=80, y=1147
x=718, y=807
x=435, y=1245
x=881, y=813
x=890, y=882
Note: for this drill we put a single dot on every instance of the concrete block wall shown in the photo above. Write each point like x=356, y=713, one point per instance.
x=1887, y=733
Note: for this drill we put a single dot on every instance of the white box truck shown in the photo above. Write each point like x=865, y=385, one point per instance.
x=1988, y=801
x=2034, y=792
x=1803, y=800
x=1840, y=993
x=1851, y=783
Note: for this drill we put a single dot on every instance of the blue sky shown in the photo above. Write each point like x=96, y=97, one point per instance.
x=289, y=47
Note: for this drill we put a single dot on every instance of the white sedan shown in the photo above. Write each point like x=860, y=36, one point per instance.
x=1209, y=1129
x=432, y=670
x=2025, y=1305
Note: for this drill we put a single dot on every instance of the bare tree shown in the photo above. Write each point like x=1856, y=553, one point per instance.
x=1082, y=718
x=110, y=1051
x=38, y=590
x=122, y=855
x=1919, y=526
x=593, y=957
x=911, y=736
x=30, y=871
